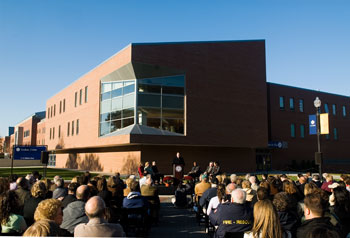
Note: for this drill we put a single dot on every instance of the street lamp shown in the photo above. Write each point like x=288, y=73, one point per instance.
x=318, y=154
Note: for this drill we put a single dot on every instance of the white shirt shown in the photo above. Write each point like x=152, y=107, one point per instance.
x=213, y=204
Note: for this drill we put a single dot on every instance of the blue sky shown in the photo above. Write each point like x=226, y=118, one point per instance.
x=46, y=45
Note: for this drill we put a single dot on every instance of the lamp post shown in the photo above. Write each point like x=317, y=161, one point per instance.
x=318, y=155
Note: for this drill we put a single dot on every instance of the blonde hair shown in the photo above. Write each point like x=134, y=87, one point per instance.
x=42, y=228
x=266, y=221
x=38, y=189
x=219, y=178
x=245, y=184
x=47, y=209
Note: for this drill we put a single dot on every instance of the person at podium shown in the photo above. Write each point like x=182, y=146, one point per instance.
x=178, y=166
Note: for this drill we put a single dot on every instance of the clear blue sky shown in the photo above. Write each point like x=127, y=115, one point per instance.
x=46, y=45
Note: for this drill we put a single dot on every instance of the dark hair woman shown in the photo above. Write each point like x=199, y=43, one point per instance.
x=10, y=221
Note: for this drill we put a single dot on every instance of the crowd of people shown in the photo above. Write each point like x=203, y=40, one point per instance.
x=35, y=206
x=275, y=207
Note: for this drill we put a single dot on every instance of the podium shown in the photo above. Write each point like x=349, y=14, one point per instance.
x=178, y=171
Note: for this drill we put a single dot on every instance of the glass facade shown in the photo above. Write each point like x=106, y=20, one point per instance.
x=160, y=104
x=117, y=105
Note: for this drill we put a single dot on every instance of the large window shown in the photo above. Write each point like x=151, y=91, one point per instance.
x=334, y=107
x=302, y=131
x=326, y=109
x=344, y=111
x=117, y=106
x=161, y=103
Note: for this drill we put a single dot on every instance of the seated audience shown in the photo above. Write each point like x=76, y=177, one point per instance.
x=103, y=191
x=253, y=183
x=287, y=214
x=22, y=192
x=218, y=199
x=43, y=228
x=325, y=185
x=251, y=194
x=60, y=192
x=266, y=222
x=11, y=222
x=195, y=171
x=315, y=207
x=72, y=188
x=74, y=213
x=97, y=226
x=38, y=192
x=158, y=177
x=134, y=198
x=232, y=217
x=341, y=208
x=209, y=194
x=201, y=187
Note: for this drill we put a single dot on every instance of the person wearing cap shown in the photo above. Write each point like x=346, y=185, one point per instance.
x=201, y=187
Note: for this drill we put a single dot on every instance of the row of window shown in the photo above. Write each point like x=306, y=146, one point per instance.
x=81, y=97
x=51, y=111
x=72, y=127
x=292, y=104
x=43, y=130
x=302, y=132
x=301, y=106
x=42, y=142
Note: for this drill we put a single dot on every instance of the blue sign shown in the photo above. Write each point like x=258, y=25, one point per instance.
x=312, y=125
x=275, y=144
x=28, y=152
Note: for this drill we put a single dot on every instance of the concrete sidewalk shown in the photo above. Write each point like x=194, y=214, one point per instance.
x=176, y=222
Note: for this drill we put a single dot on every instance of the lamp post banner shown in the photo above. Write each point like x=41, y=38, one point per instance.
x=324, y=125
x=312, y=125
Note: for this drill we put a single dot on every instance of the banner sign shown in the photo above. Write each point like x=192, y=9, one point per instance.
x=312, y=125
x=324, y=125
x=28, y=152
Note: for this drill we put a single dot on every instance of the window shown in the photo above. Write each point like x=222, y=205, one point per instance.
x=26, y=133
x=64, y=105
x=72, y=127
x=335, y=133
x=344, y=111
x=68, y=128
x=327, y=136
x=334, y=107
x=291, y=104
x=51, y=112
x=59, y=131
x=60, y=107
x=302, y=131
x=53, y=133
x=50, y=133
x=48, y=112
x=76, y=99
x=86, y=94
x=301, y=105
x=43, y=130
x=282, y=103
x=54, y=110
x=77, y=132
x=292, y=130
x=326, y=109
x=80, y=96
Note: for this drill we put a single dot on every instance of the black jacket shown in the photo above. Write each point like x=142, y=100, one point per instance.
x=207, y=195
x=231, y=217
x=29, y=208
x=68, y=199
x=289, y=221
x=310, y=225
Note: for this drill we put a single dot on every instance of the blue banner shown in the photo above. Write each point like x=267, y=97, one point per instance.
x=312, y=124
x=28, y=152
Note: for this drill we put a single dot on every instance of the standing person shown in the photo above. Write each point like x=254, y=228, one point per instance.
x=178, y=166
x=141, y=170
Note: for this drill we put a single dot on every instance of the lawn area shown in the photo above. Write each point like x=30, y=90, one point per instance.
x=50, y=173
